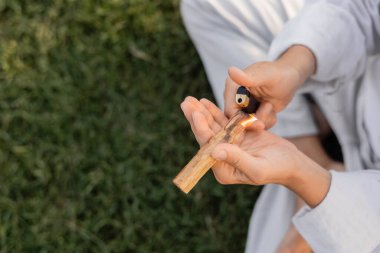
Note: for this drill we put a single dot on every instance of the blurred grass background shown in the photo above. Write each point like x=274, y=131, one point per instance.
x=91, y=133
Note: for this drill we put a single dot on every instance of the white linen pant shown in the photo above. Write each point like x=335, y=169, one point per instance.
x=239, y=33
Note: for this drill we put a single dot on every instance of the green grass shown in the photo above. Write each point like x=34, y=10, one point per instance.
x=91, y=133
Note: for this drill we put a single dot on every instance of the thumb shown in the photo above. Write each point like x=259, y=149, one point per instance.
x=240, y=77
x=236, y=157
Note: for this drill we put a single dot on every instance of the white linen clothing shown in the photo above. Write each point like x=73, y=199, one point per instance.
x=371, y=105
x=239, y=33
x=348, y=209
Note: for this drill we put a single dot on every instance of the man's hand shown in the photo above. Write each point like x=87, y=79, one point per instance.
x=259, y=158
x=273, y=83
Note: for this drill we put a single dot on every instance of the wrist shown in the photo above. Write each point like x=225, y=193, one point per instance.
x=300, y=60
x=308, y=180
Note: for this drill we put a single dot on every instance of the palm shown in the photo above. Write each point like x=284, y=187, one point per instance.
x=271, y=152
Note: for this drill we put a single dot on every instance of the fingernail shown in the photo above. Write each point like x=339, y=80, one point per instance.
x=220, y=154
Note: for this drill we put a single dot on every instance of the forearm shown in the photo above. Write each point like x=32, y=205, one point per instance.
x=312, y=148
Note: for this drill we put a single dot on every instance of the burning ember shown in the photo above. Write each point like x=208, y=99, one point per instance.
x=248, y=121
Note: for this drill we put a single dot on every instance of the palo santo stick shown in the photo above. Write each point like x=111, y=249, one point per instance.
x=202, y=161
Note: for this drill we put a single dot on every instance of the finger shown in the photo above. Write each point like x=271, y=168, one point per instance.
x=266, y=114
x=240, y=77
x=271, y=121
x=202, y=130
x=191, y=105
x=225, y=174
x=188, y=108
x=207, y=114
x=198, y=106
x=230, y=106
x=216, y=113
x=258, y=125
x=239, y=159
x=216, y=117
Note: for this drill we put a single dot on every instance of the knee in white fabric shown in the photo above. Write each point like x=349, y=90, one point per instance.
x=193, y=10
x=198, y=12
x=190, y=7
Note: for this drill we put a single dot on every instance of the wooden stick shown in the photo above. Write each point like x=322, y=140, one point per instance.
x=202, y=161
